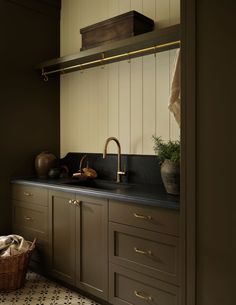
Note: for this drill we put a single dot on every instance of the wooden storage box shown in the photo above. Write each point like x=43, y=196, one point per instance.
x=122, y=26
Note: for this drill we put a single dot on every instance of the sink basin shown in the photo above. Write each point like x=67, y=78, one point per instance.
x=100, y=184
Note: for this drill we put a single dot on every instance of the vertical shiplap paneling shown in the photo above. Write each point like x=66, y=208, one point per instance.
x=64, y=110
x=92, y=11
x=113, y=8
x=93, y=106
x=120, y=100
x=174, y=11
x=136, y=117
x=137, y=5
x=162, y=95
x=124, y=6
x=162, y=13
x=113, y=103
x=124, y=105
x=174, y=127
x=124, y=92
x=102, y=100
x=149, y=105
x=149, y=9
x=70, y=26
x=136, y=87
x=83, y=109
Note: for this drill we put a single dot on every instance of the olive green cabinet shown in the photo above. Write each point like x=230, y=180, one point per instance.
x=62, y=236
x=79, y=241
x=143, y=255
x=137, y=263
x=30, y=219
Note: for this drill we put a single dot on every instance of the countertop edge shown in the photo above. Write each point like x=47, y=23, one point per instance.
x=102, y=194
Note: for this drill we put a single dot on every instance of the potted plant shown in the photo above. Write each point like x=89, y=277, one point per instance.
x=169, y=156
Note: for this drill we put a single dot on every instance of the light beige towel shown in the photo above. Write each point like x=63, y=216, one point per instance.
x=174, y=101
x=12, y=244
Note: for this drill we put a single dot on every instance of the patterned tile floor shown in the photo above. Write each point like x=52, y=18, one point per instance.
x=40, y=291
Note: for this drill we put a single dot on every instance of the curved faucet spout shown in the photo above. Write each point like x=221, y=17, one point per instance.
x=119, y=172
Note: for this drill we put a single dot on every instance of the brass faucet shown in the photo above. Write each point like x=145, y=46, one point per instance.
x=119, y=172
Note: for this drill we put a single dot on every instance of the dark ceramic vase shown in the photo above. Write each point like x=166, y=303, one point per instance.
x=44, y=162
x=170, y=174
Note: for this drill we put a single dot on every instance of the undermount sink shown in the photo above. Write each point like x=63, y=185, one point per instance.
x=99, y=184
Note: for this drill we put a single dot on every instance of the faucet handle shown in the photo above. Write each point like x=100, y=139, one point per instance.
x=124, y=170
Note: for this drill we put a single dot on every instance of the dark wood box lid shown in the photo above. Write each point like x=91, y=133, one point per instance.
x=131, y=14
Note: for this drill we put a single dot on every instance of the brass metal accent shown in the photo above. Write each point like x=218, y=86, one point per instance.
x=28, y=194
x=142, y=295
x=143, y=252
x=27, y=218
x=75, y=202
x=104, y=60
x=142, y=216
x=119, y=172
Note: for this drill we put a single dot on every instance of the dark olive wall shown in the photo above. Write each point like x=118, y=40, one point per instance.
x=29, y=109
x=216, y=165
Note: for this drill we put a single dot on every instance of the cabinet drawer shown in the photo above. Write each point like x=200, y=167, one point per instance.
x=31, y=194
x=146, y=217
x=129, y=287
x=151, y=253
x=31, y=218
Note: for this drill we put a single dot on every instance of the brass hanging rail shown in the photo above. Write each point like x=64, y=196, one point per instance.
x=104, y=59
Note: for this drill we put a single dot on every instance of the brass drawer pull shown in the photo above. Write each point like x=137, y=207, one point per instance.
x=74, y=202
x=142, y=216
x=142, y=296
x=27, y=218
x=28, y=194
x=143, y=252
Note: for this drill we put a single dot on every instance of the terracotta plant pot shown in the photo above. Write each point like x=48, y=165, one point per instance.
x=44, y=162
x=170, y=174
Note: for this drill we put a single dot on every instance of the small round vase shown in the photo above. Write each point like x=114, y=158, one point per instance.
x=44, y=162
x=170, y=174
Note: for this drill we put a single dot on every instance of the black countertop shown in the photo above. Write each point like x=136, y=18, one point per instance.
x=146, y=194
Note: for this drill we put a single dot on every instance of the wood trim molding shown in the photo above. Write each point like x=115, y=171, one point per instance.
x=188, y=150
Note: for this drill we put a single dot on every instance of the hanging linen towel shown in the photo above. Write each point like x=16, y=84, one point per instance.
x=174, y=100
x=12, y=244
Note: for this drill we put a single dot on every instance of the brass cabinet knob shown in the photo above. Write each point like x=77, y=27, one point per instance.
x=28, y=194
x=27, y=218
x=74, y=202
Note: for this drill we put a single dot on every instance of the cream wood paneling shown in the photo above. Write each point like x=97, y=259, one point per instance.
x=136, y=107
x=149, y=102
x=149, y=9
x=113, y=8
x=136, y=5
x=128, y=100
x=162, y=95
x=124, y=6
x=124, y=105
x=113, y=104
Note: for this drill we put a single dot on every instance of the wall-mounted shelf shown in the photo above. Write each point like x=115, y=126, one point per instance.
x=152, y=42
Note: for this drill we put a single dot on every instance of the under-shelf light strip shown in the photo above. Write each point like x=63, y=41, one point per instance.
x=105, y=59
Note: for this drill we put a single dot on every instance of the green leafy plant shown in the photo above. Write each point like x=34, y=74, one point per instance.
x=166, y=150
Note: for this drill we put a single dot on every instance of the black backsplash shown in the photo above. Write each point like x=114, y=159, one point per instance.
x=139, y=168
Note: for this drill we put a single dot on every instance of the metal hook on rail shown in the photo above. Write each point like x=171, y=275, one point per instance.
x=45, y=77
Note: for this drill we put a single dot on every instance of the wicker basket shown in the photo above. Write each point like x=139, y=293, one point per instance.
x=13, y=269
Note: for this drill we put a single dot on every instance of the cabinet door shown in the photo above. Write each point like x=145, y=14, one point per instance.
x=62, y=236
x=91, y=242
